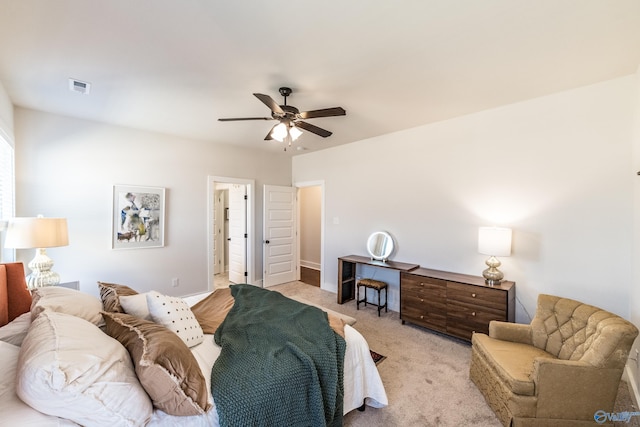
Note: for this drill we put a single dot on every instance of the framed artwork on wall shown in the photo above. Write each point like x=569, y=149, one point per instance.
x=138, y=217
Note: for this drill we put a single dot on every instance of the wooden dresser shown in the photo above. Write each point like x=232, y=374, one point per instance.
x=455, y=304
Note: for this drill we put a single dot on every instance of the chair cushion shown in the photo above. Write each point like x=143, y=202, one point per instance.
x=512, y=362
x=371, y=283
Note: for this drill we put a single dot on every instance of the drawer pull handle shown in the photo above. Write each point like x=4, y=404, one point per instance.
x=473, y=295
x=421, y=284
x=473, y=313
x=421, y=300
x=422, y=317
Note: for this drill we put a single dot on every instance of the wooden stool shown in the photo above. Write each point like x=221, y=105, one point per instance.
x=373, y=284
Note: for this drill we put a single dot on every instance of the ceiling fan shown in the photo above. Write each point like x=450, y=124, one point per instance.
x=290, y=118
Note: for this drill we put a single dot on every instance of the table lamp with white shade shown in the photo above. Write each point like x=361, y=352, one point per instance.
x=494, y=241
x=38, y=233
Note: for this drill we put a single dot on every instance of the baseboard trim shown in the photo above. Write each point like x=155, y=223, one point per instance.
x=632, y=383
x=310, y=264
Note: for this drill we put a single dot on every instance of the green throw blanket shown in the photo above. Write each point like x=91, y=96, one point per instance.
x=280, y=364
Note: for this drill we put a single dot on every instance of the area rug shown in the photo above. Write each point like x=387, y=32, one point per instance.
x=377, y=357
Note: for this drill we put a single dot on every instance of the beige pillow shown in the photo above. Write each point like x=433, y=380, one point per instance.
x=212, y=310
x=68, y=301
x=167, y=369
x=135, y=305
x=174, y=314
x=15, y=331
x=69, y=368
x=110, y=294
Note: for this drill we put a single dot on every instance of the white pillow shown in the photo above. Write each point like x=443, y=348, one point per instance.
x=174, y=314
x=68, y=301
x=69, y=368
x=135, y=305
x=15, y=331
x=14, y=411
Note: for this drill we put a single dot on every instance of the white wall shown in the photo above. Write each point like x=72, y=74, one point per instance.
x=634, y=294
x=6, y=115
x=556, y=169
x=67, y=167
x=309, y=199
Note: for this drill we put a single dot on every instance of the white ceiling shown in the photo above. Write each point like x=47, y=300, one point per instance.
x=175, y=66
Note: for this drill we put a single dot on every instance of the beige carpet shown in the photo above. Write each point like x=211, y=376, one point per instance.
x=425, y=374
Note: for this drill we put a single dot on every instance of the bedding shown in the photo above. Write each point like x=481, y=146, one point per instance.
x=277, y=353
x=163, y=363
x=361, y=378
x=68, y=368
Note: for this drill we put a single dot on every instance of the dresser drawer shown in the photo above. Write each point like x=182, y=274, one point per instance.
x=473, y=314
x=435, y=288
x=465, y=331
x=427, y=318
x=423, y=301
x=492, y=299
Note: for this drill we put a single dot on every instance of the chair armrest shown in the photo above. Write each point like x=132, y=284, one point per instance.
x=573, y=389
x=514, y=332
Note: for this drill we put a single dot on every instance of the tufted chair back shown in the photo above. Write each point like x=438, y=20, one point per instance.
x=571, y=330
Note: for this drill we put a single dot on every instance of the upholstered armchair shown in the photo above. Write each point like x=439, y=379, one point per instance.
x=15, y=299
x=559, y=370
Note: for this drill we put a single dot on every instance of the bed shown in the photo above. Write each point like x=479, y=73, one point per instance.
x=58, y=359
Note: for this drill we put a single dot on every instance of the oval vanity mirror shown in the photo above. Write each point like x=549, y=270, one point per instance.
x=380, y=245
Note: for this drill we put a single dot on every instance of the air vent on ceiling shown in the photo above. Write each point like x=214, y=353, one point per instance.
x=79, y=86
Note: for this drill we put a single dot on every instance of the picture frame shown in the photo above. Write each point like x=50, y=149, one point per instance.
x=137, y=217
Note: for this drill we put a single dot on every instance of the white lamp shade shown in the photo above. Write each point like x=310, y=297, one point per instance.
x=295, y=133
x=279, y=133
x=494, y=241
x=29, y=233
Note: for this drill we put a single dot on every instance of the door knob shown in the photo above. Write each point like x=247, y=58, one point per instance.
x=267, y=242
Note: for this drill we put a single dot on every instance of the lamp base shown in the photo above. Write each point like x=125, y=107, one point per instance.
x=41, y=274
x=492, y=276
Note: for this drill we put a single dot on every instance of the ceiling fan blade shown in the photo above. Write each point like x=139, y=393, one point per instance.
x=268, y=137
x=313, y=129
x=235, y=119
x=269, y=102
x=325, y=112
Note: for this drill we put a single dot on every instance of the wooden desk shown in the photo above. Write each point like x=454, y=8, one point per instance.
x=347, y=273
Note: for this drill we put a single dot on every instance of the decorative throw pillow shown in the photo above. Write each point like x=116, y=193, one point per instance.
x=68, y=301
x=165, y=366
x=136, y=305
x=69, y=368
x=212, y=310
x=174, y=314
x=110, y=294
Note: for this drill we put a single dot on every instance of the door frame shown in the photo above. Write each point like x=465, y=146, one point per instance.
x=211, y=186
x=299, y=185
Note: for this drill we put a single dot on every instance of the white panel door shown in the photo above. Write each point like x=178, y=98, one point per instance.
x=279, y=235
x=218, y=233
x=237, y=233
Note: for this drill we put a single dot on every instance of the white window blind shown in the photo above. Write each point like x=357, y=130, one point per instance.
x=6, y=179
x=6, y=192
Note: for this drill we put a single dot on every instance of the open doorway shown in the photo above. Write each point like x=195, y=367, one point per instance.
x=230, y=229
x=310, y=235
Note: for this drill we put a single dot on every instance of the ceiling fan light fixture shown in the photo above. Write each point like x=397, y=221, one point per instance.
x=295, y=133
x=279, y=132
